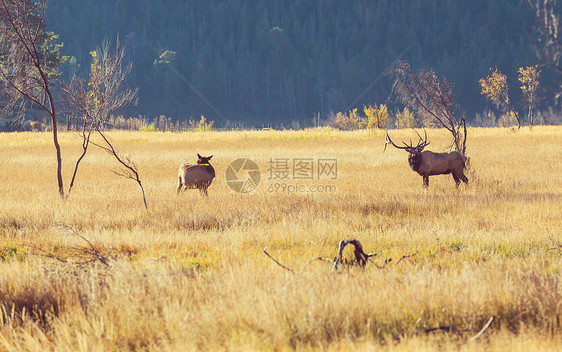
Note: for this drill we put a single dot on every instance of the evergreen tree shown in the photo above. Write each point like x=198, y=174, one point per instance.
x=278, y=61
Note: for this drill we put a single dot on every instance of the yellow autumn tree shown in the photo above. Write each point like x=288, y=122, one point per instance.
x=405, y=119
x=529, y=78
x=377, y=116
x=349, y=121
x=494, y=87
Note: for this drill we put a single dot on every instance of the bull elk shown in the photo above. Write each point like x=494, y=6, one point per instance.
x=197, y=176
x=427, y=163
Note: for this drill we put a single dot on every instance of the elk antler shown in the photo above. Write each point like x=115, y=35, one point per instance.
x=422, y=143
x=389, y=141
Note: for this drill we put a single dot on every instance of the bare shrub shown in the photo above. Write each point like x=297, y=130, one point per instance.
x=432, y=100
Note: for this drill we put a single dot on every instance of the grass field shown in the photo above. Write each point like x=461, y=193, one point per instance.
x=191, y=274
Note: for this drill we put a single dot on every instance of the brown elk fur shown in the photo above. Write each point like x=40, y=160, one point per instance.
x=427, y=163
x=197, y=176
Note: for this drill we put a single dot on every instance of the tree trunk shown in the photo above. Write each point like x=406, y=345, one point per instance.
x=59, y=157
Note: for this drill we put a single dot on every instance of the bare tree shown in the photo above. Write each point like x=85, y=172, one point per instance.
x=95, y=100
x=28, y=61
x=432, y=99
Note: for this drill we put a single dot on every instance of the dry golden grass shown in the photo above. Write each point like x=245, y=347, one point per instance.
x=190, y=274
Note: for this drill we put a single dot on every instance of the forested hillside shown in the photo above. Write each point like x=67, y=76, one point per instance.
x=277, y=61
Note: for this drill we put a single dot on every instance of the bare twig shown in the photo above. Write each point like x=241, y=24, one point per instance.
x=406, y=256
x=555, y=248
x=48, y=254
x=281, y=265
x=92, y=252
x=317, y=258
x=129, y=167
x=386, y=261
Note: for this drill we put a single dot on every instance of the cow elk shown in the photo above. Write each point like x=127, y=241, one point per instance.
x=197, y=176
x=427, y=163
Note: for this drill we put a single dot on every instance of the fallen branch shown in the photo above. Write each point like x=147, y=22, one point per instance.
x=447, y=328
x=92, y=252
x=386, y=261
x=452, y=328
x=361, y=257
x=482, y=330
x=281, y=265
x=317, y=258
x=406, y=256
x=48, y=254
x=555, y=248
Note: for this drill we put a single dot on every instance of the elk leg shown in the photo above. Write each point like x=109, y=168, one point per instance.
x=179, y=184
x=203, y=189
x=426, y=181
x=457, y=179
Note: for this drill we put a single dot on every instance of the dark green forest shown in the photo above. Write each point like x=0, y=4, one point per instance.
x=278, y=61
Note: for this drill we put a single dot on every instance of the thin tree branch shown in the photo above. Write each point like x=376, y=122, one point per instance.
x=406, y=256
x=281, y=265
x=129, y=165
x=317, y=258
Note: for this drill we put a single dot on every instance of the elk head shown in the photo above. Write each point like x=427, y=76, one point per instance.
x=203, y=160
x=414, y=158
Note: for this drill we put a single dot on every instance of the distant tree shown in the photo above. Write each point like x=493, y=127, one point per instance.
x=202, y=125
x=167, y=57
x=529, y=78
x=494, y=87
x=432, y=99
x=405, y=119
x=321, y=57
x=29, y=57
x=377, y=116
x=350, y=121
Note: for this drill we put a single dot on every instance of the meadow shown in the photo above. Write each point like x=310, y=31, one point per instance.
x=98, y=272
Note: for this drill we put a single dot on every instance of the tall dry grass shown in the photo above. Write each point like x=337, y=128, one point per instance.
x=190, y=274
